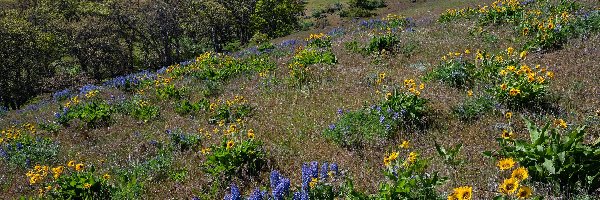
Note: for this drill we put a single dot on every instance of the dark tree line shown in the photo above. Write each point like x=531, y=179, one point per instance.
x=52, y=44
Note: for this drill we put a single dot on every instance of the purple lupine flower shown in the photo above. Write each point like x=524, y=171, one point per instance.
x=381, y=119
x=196, y=198
x=331, y=126
x=396, y=115
x=282, y=189
x=334, y=168
x=306, y=176
x=324, y=170
x=340, y=111
x=274, y=179
x=256, y=195
x=3, y=153
x=235, y=193
x=314, y=169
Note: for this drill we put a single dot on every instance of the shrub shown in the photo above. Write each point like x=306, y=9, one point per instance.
x=235, y=157
x=229, y=110
x=20, y=147
x=94, y=113
x=456, y=72
x=522, y=86
x=354, y=128
x=556, y=155
x=169, y=91
x=185, y=107
x=140, y=110
x=386, y=42
x=473, y=108
x=407, y=179
x=184, y=142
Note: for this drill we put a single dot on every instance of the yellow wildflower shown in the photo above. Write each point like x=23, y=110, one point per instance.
x=71, y=163
x=87, y=185
x=524, y=192
x=509, y=186
x=106, y=176
x=509, y=51
x=514, y=92
x=405, y=144
x=79, y=167
x=520, y=174
x=506, y=163
x=507, y=134
x=230, y=144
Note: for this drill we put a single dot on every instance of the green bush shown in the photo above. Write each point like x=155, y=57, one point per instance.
x=184, y=142
x=94, y=113
x=523, y=86
x=455, y=72
x=82, y=185
x=230, y=110
x=185, y=107
x=21, y=148
x=407, y=179
x=234, y=158
x=140, y=110
x=556, y=155
x=473, y=108
x=169, y=91
x=386, y=42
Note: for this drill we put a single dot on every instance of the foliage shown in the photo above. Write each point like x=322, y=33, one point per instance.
x=229, y=110
x=382, y=42
x=184, y=142
x=184, y=107
x=400, y=107
x=456, y=72
x=19, y=146
x=522, y=86
x=94, y=113
x=141, y=110
x=74, y=181
x=407, y=179
x=473, y=108
x=168, y=91
x=362, y=8
x=555, y=154
x=239, y=155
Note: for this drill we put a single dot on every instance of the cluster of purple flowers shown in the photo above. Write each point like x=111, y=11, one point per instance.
x=89, y=87
x=61, y=95
x=336, y=32
x=280, y=185
x=130, y=79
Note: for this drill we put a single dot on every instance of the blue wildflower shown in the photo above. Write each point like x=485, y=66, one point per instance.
x=235, y=193
x=256, y=195
x=282, y=189
x=396, y=115
x=334, y=168
x=314, y=169
x=381, y=119
x=274, y=179
x=324, y=170
x=340, y=111
x=331, y=126
x=306, y=176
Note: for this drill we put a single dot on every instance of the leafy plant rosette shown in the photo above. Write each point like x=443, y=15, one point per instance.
x=556, y=154
x=74, y=181
x=522, y=86
x=94, y=111
x=238, y=154
x=407, y=178
x=229, y=110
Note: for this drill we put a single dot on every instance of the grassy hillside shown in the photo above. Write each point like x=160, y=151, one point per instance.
x=191, y=130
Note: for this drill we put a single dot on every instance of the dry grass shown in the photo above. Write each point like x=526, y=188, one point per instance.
x=290, y=120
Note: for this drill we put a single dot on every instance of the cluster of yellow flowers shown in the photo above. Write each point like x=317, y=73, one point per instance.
x=380, y=78
x=392, y=17
x=72, y=102
x=237, y=100
x=511, y=185
x=412, y=156
x=316, y=36
x=15, y=132
x=461, y=193
x=560, y=123
x=142, y=103
x=91, y=94
x=411, y=85
x=160, y=80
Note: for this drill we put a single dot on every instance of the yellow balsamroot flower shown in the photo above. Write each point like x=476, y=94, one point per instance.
x=87, y=185
x=514, y=92
x=57, y=171
x=251, y=134
x=507, y=134
x=503, y=72
x=508, y=115
x=422, y=86
x=509, y=51
x=462, y=193
x=520, y=174
x=524, y=192
x=205, y=151
x=523, y=54
x=511, y=68
x=106, y=176
x=550, y=74
x=221, y=123
x=313, y=182
x=405, y=144
x=509, y=186
x=540, y=79
x=388, y=95
x=470, y=93
x=382, y=75
x=525, y=31
x=467, y=51
x=79, y=167
x=506, y=163
x=560, y=123
x=48, y=188
x=386, y=161
x=71, y=163
x=230, y=144
x=503, y=86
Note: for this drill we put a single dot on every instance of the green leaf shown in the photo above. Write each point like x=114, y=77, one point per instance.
x=548, y=165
